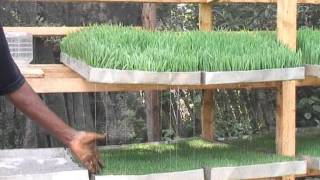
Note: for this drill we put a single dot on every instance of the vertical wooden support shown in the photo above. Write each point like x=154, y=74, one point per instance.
x=207, y=115
x=286, y=95
x=149, y=21
x=286, y=121
x=207, y=109
x=287, y=22
x=205, y=17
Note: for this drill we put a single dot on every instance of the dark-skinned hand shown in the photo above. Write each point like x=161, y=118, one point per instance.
x=83, y=146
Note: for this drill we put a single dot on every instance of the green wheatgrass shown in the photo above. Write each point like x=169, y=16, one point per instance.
x=126, y=48
x=309, y=44
x=306, y=145
x=186, y=155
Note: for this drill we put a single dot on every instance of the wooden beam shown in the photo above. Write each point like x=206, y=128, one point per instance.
x=286, y=121
x=32, y=72
x=170, y=1
x=50, y=72
x=207, y=107
x=207, y=115
x=43, y=31
x=287, y=22
x=58, y=78
x=262, y=1
x=309, y=81
x=115, y=1
x=286, y=94
x=205, y=17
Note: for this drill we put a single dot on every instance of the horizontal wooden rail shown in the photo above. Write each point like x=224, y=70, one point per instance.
x=263, y=1
x=43, y=31
x=119, y=1
x=57, y=78
x=173, y=1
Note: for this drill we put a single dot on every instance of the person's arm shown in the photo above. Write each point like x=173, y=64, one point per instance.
x=82, y=144
x=14, y=86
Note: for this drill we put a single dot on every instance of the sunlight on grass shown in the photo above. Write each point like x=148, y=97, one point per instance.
x=186, y=155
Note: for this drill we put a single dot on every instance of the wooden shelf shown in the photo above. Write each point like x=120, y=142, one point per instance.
x=57, y=78
x=263, y=1
x=119, y=1
x=173, y=1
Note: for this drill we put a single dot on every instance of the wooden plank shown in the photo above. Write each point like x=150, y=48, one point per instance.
x=287, y=22
x=286, y=121
x=207, y=115
x=115, y=1
x=53, y=72
x=59, y=78
x=262, y=1
x=286, y=95
x=170, y=1
x=44, y=31
x=207, y=107
x=32, y=72
x=309, y=81
x=205, y=17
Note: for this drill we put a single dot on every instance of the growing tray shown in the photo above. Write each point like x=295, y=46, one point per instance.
x=185, y=175
x=100, y=75
x=39, y=164
x=228, y=77
x=259, y=171
x=312, y=70
x=313, y=163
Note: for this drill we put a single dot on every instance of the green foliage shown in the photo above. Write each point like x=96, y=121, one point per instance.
x=308, y=42
x=308, y=107
x=117, y=47
x=186, y=155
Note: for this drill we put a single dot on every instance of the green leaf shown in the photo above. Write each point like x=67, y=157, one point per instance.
x=316, y=108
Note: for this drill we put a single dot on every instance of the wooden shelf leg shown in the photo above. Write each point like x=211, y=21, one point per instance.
x=287, y=22
x=286, y=121
x=205, y=17
x=207, y=115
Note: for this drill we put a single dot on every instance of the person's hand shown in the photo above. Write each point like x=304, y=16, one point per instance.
x=83, y=146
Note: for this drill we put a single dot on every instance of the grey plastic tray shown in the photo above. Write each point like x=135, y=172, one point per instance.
x=259, y=171
x=183, y=175
x=100, y=75
x=313, y=163
x=39, y=164
x=312, y=70
x=228, y=77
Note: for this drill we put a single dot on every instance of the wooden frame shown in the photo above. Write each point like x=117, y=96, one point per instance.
x=58, y=78
x=172, y=1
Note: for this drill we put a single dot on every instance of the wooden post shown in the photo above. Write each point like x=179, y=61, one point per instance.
x=286, y=95
x=287, y=22
x=205, y=17
x=286, y=118
x=207, y=115
x=286, y=121
x=207, y=109
x=149, y=21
